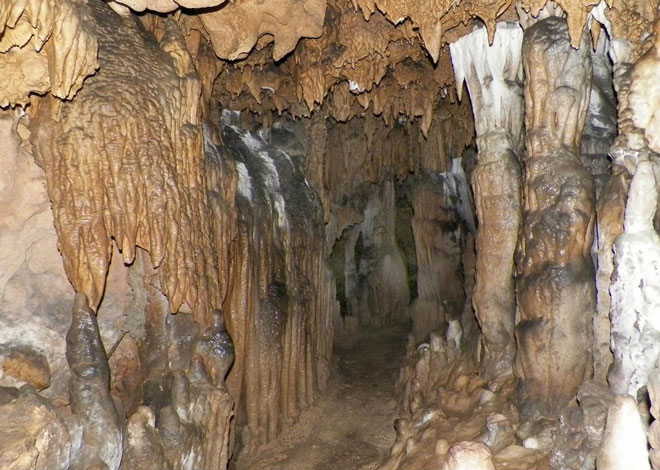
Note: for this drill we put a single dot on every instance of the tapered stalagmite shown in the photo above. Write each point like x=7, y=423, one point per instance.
x=636, y=288
x=612, y=200
x=95, y=428
x=556, y=298
x=624, y=442
x=493, y=76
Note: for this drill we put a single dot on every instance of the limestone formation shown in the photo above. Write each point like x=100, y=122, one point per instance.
x=35, y=294
x=117, y=197
x=281, y=302
x=624, y=442
x=493, y=75
x=635, y=330
x=382, y=289
x=201, y=199
x=46, y=46
x=33, y=436
x=95, y=427
x=654, y=428
x=439, y=232
x=629, y=146
x=555, y=291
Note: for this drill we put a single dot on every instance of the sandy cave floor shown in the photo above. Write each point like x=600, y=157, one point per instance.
x=351, y=427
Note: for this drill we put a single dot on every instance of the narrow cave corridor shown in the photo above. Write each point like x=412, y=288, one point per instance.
x=351, y=425
x=329, y=234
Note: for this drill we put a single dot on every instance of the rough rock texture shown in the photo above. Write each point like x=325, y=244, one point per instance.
x=611, y=202
x=35, y=294
x=382, y=290
x=493, y=75
x=439, y=227
x=32, y=436
x=600, y=124
x=581, y=427
x=449, y=413
x=355, y=65
x=468, y=456
x=166, y=6
x=110, y=179
x=45, y=46
x=95, y=427
x=654, y=428
x=281, y=300
x=555, y=291
x=635, y=329
x=235, y=29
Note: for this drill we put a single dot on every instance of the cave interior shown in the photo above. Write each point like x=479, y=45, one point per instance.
x=329, y=234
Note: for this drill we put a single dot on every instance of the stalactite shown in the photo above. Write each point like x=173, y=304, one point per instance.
x=555, y=291
x=281, y=302
x=103, y=176
x=493, y=76
x=48, y=45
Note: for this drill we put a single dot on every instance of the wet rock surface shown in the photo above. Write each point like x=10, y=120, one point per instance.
x=555, y=291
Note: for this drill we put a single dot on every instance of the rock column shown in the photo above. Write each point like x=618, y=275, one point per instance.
x=493, y=75
x=555, y=284
x=635, y=288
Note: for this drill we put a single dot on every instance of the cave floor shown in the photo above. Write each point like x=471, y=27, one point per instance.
x=351, y=427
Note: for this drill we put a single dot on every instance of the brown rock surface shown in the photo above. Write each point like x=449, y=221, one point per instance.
x=555, y=291
x=32, y=436
x=496, y=98
x=125, y=185
x=46, y=46
x=35, y=294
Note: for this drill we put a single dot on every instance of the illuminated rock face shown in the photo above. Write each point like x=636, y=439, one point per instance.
x=555, y=284
x=36, y=296
x=281, y=301
x=635, y=327
x=127, y=194
x=493, y=75
x=624, y=441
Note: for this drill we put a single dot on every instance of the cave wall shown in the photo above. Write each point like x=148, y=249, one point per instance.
x=148, y=203
x=129, y=195
x=281, y=304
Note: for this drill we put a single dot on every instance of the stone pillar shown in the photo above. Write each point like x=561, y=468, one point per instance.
x=635, y=288
x=493, y=75
x=611, y=203
x=555, y=284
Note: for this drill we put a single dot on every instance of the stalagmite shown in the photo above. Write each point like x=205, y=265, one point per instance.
x=493, y=76
x=612, y=199
x=228, y=227
x=636, y=288
x=624, y=443
x=383, y=295
x=95, y=428
x=555, y=291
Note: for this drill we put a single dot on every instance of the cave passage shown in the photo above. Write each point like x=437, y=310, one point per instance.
x=351, y=426
x=329, y=234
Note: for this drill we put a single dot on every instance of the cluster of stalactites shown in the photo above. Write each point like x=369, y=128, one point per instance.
x=45, y=47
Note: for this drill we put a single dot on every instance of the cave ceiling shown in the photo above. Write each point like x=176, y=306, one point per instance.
x=342, y=57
